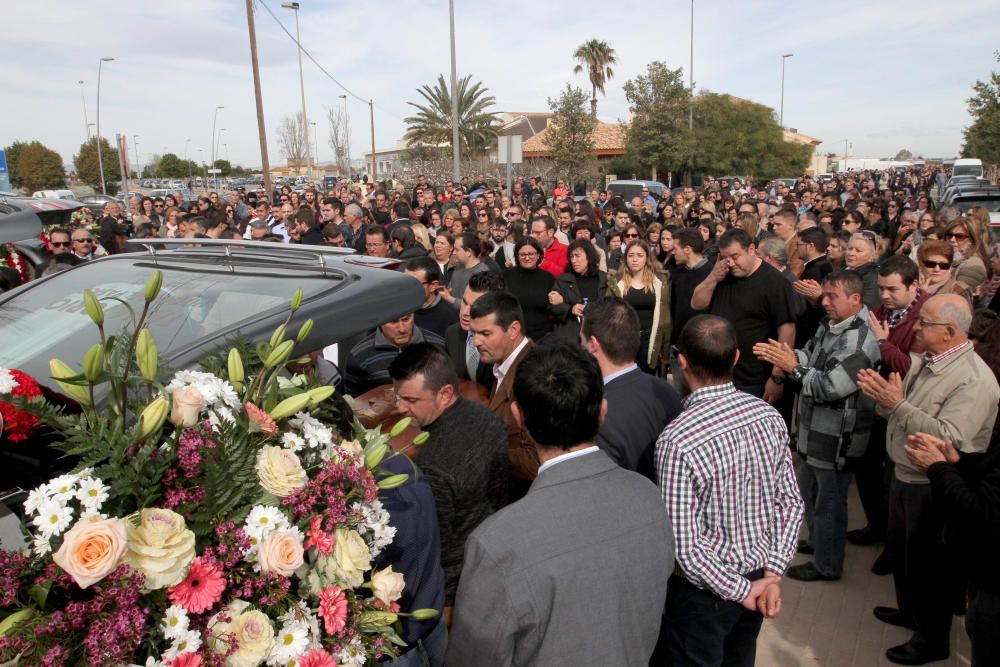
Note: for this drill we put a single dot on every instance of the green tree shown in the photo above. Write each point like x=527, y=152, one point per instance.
x=87, y=169
x=982, y=138
x=477, y=127
x=658, y=135
x=740, y=137
x=34, y=166
x=225, y=166
x=903, y=154
x=172, y=166
x=596, y=56
x=570, y=133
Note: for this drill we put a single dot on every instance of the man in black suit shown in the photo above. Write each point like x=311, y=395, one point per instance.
x=812, y=245
x=639, y=405
x=458, y=338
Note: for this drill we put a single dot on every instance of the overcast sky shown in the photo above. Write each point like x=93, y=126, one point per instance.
x=883, y=74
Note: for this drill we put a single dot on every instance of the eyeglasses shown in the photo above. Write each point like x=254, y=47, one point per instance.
x=927, y=323
x=930, y=264
x=59, y=244
x=958, y=236
x=527, y=255
x=87, y=240
x=630, y=236
x=158, y=205
x=865, y=234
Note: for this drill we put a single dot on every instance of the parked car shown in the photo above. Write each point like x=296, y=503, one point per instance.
x=628, y=189
x=54, y=194
x=96, y=203
x=968, y=166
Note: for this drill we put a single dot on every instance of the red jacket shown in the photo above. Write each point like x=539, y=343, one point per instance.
x=555, y=258
x=902, y=339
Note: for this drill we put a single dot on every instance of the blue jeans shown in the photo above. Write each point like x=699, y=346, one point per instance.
x=429, y=651
x=825, y=496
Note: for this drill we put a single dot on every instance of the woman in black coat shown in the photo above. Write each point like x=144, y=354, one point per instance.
x=581, y=283
x=531, y=285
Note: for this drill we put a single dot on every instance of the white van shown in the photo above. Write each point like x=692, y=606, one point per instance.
x=968, y=167
x=54, y=194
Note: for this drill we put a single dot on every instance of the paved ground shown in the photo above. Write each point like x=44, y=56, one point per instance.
x=831, y=623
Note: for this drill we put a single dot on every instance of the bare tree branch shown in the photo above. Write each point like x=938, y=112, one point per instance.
x=340, y=138
x=292, y=141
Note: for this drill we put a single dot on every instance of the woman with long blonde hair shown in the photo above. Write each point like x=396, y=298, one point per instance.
x=648, y=292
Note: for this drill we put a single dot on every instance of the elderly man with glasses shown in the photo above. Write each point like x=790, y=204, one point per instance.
x=951, y=394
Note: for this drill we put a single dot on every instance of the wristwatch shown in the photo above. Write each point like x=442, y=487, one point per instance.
x=777, y=379
x=799, y=372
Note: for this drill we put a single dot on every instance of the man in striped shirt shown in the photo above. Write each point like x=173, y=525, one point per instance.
x=727, y=480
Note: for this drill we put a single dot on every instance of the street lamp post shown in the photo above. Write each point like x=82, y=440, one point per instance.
x=294, y=6
x=186, y=142
x=691, y=74
x=83, y=98
x=781, y=115
x=217, y=142
x=456, y=165
x=100, y=158
x=211, y=142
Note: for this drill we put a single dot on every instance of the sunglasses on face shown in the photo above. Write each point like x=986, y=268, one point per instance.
x=59, y=244
x=958, y=236
x=944, y=266
x=630, y=236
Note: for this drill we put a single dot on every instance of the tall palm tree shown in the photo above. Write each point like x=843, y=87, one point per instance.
x=477, y=127
x=596, y=56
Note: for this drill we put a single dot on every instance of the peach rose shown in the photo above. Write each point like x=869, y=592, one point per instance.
x=92, y=549
x=280, y=552
x=185, y=406
x=387, y=585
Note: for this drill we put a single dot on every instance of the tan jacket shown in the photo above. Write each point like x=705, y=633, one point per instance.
x=523, y=450
x=955, y=400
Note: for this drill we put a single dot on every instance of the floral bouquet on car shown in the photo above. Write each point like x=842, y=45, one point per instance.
x=218, y=519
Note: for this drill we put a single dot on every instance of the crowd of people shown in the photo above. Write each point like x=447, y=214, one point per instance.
x=670, y=386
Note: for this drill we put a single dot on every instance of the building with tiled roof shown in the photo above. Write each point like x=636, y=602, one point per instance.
x=609, y=142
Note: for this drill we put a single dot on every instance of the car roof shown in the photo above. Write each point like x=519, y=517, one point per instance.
x=632, y=182
x=21, y=218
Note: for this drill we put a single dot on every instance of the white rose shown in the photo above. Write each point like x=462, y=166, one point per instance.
x=279, y=471
x=185, y=406
x=160, y=547
x=252, y=630
x=387, y=585
x=351, y=558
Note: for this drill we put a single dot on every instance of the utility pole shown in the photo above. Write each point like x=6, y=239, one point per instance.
x=100, y=158
x=371, y=111
x=456, y=166
x=261, y=130
x=781, y=116
x=83, y=99
x=294, y=6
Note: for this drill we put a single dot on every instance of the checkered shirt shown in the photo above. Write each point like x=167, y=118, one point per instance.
x=727, y=480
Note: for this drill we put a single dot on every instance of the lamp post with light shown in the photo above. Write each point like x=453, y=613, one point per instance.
x=100, y=158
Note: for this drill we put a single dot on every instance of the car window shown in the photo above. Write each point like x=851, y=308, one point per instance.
x=49, y=320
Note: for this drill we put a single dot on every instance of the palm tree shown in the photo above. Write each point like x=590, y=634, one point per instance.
x=596, y=56
x=477, y=127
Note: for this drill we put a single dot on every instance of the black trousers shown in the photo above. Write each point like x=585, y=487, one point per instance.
x=919, y=564
x=872, y=478
x=703, y=630
x=982, y=621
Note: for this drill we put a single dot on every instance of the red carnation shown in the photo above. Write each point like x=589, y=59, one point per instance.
x=18, y=425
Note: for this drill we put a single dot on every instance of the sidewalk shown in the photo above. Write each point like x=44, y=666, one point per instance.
x=830, y=623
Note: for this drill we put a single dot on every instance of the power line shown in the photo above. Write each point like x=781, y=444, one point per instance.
x=320, y=67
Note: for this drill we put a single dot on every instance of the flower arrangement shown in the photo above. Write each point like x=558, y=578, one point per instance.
x=217, y=519
x=17, y=425
x=12, y=258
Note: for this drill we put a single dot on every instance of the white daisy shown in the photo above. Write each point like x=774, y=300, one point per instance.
x=35, y=498
x=62, y=487
x=353, y=654
x=53, y=518
x=92, y=493
x=292, y=641
x=175, y=621
x=263, y=519
x=293, y=441
x=7, y=381
x=185, y=642
x=41, y=546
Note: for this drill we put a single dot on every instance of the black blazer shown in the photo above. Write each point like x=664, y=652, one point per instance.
x=454, y=341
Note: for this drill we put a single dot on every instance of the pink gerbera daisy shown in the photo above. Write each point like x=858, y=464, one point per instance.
x=201, y=589
x=316, y=537
x=316, y=658
x=333, y=608
x=260, y=420
x=186, y=660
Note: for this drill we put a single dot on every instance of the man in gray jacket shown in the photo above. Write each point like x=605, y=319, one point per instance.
x=575, y=573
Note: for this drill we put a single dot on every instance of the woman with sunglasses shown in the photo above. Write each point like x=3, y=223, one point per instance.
x=581, y=282
x=862, y=256
x=971, y=254
x=936, y=262
x=649, y=294
x=531, y=285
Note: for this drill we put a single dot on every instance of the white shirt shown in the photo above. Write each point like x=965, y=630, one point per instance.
x=618, y=374
x=566, y=457
x=500, y=370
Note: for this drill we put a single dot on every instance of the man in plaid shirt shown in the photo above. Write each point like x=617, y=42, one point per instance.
x=727, y=480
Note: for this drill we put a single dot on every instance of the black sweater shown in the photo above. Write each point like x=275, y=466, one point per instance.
x=968, y=493
x=532, y=287
x=467, y=464
x=683, y=282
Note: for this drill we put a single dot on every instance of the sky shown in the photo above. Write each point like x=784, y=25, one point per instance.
x=883, y=75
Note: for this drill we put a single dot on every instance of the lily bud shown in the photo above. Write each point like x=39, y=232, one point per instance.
x=297, y=299
x=393, y=481
x=375, y=456
x=59, y=370
x=421, y=438
x=151, y=419
x=304, y=331
x=319, y=394
x=146, y=354
x=290, y=406
x=400, y=427
x=379, y=618
x=235, y=366
x=93, y=306
x=277, y=336
x=93, y=362
x=424, y=614
x=279, y=354
x=153, y=285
